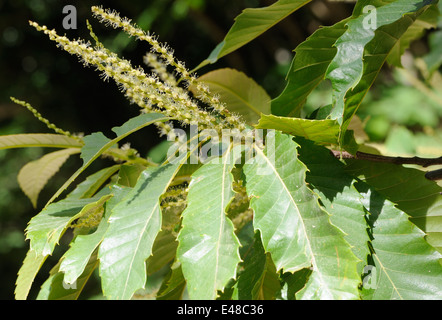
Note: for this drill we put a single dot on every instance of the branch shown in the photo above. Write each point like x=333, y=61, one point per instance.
x=424, y=162
x=434, y=175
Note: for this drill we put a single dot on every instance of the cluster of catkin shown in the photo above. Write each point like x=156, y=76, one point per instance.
x=156, y=92
x=160, y=91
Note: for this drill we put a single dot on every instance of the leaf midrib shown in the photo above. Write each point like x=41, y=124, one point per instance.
x=222, y=220
x=293, y=201
x=384, y=269
x=152, y=212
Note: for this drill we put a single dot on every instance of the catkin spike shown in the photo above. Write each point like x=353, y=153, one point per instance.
x=42, y=119
x=110, y=17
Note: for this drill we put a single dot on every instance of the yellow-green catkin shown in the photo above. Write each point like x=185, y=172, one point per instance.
x=239, y=211
x=147, y=91
x=113, y=19
x=42, y=119
x=88, y=221
x=160, y=69
x=173, y=203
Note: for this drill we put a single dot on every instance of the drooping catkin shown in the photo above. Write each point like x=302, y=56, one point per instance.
x=145, y=90
x=44, y=120
x=112, y=18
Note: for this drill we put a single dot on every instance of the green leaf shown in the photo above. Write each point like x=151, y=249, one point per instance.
x=346, y=69
x=308, y=69
x=294, y=282
x=82, y=247
x=385, y=40
x=251, y=23
x=56, y=288
x=335, y=187
x=406, y=266
x=44, y=232
x=241, y=94
x=409, y=190
x=163, y=251
x=434, y=58
x=96, y=143
x=258, y=280
x=393, y=235
x=158, y=153
x=174, y=284
x=321, y=131
x=295, y=229
x=133, y=227
x=26, y=275
x=314, y=55
x=46, y=228
x=34, y=175
x=129, y=174
x=208, y=247
x=92, y=183
x=426, y=20
x=38, y=140
x=136, y=123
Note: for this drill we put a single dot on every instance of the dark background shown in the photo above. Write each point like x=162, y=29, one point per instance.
x=76, y=99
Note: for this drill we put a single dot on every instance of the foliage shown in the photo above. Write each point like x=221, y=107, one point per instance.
x=249, y=203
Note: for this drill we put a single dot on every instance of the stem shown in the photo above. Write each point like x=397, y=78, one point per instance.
x=118, y=154
x=424, y=162
x=434, y=175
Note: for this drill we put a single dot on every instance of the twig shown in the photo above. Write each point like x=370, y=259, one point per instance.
x=424, y=162
x=434, y=175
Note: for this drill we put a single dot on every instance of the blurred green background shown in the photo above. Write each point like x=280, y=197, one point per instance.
x=76, y=99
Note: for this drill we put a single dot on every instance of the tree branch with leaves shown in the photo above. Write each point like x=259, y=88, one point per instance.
x=251, y=204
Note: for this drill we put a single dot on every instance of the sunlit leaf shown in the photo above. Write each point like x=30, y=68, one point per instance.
x=46, y=228
x=335, y=187
x=82, y=247
x=308, y=69
x=346, y=69
x=406, y=267
x=322, y=131
x=97, y=143
x=93, y=183
x=38, y=140
x=35, y=174
x=241, y=94
x=409, y=190
x=26, y=275
x=133, y=228
x=376, y=52
x=426, y=20
x=295, y=229
x=251, y=23
x=208, y=247
x=56, y=288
